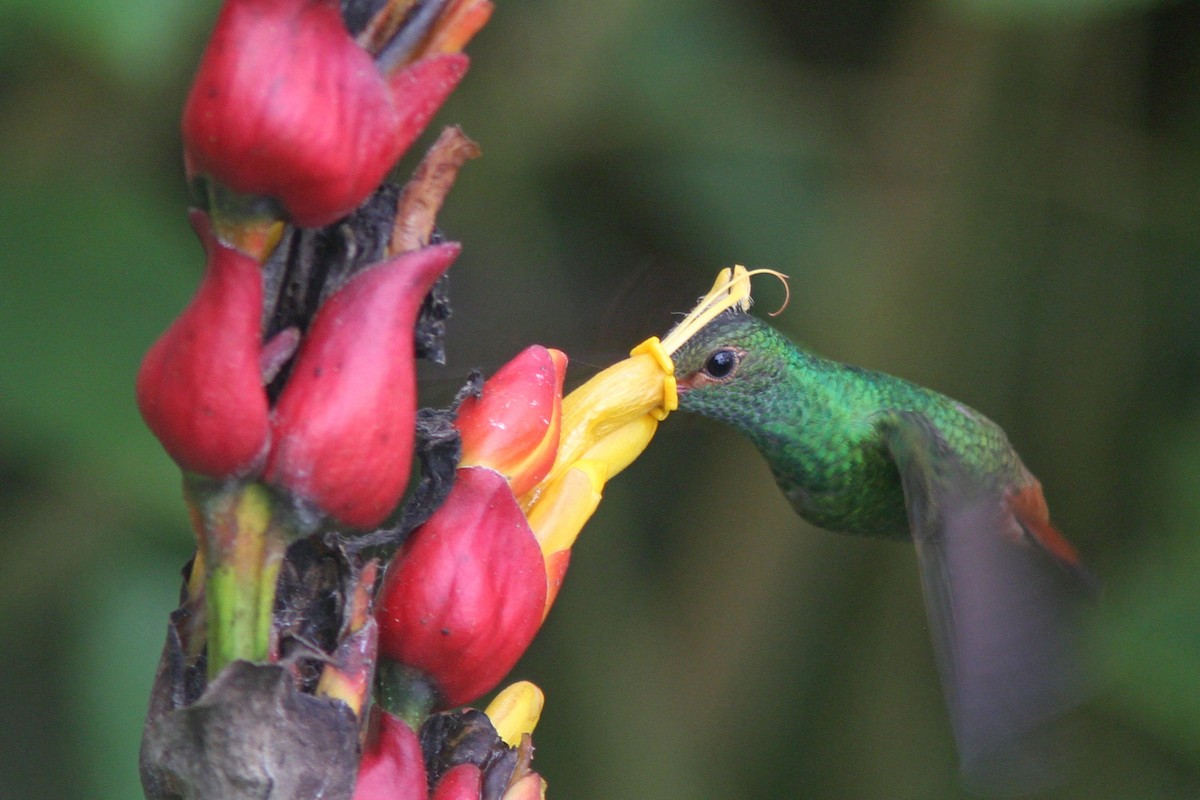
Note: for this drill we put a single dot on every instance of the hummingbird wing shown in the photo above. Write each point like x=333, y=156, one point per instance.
x=1002, y=613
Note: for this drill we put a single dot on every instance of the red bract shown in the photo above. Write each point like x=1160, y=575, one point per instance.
x=392, y=765
x=462, y=782
x=513, y=426
x=465, y=595
x=343, y=425
x=465, y=782
x=199, y=387
x=286, y=105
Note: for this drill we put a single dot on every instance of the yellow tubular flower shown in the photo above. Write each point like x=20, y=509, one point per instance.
x=608, y=422
x=566, y=504
x=628, y=392
x=515, y=711
x=613, y=416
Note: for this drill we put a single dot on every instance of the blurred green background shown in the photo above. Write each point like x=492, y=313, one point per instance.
x=997, y=199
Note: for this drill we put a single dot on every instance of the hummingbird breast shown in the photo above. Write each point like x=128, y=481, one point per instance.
x=849, y=490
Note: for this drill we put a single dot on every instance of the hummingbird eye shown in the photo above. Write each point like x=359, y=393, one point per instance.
x=721, y=364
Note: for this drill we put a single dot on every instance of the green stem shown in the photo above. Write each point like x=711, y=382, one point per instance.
x=251, y=223
x=404, y=692
x=243, y=552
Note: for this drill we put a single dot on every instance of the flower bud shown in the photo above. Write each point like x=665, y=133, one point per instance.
x=287, y=105
x=392, y=764
x=515, y=711
x=512, y=427
x=343, y=425
x=464, y=597
x=199, y=387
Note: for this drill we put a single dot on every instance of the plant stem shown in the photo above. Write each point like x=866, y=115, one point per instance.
x=404, y=692
x=243, y=552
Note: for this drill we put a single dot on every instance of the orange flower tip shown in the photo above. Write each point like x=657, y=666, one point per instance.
x=459, y=24
x=338, y=685
x=513, y=426
x=199, y=387
x=556, y=573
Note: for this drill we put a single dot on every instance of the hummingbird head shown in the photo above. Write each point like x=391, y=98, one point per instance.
x=725, y=369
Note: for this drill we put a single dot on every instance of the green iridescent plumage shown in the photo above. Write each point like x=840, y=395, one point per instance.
x=863, y=452
x=824, y=427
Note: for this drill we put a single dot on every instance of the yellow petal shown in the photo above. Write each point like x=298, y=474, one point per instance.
x=338, y=685
x=608, y=421
x=621, y=447
x=562, y=507
x=515, y=711
x=654, y=348
x=621, y=394
x=638, y=387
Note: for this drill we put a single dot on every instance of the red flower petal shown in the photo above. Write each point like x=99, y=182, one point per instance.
x=466, y=594
x=392, y=766
x=461, y=782
x=344, y=422
x=513, y=426
x=285, y=104
x=199, y=387
x=556, y=573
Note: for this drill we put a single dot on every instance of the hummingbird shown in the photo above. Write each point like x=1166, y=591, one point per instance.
x=863, y=452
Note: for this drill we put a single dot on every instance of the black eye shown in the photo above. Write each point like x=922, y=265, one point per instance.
x=720, y=364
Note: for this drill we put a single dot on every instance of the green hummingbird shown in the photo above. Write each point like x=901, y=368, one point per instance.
x=862, y=452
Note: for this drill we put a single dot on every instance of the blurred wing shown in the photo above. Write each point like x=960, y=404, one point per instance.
x=1003, y=615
